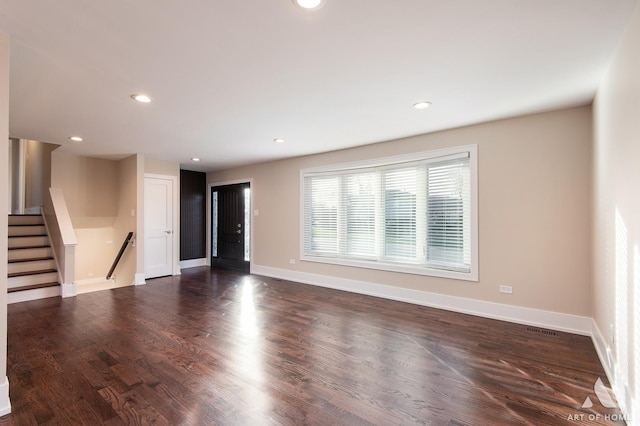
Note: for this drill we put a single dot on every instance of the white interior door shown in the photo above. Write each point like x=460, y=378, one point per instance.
x=158, y=227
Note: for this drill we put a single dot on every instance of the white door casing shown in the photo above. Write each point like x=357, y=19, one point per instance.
x=158, y=227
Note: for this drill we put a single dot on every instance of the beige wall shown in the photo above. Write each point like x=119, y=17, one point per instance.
x=140, y=161
x=534, y=200
x=4, y=208
x=158, y=167
x=94, y=252
x=126, y=220
x=616, y=218
x=102, y=198
x=37, y=174
x=90, y=189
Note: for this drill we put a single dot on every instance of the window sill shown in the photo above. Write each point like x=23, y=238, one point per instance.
x=397, y=267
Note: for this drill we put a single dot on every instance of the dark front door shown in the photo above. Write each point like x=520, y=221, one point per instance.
x=230, y=226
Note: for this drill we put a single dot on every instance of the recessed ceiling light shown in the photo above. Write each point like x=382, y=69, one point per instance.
x=309, y=4
x=278, y=140
x=76, y=138
x=422, y=105
x=196, y=159
x=141, y=98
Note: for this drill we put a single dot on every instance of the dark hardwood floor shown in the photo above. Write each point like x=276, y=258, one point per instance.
x=219, y=347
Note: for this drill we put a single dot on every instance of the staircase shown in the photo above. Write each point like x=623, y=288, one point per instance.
x=32, y=272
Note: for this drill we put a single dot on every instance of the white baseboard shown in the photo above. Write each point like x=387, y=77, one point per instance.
x=629, y=406
x=603, y=350
x=527, y=316
x=69, y=290
x=5, y=403
x=139, y=279
x=193, y=263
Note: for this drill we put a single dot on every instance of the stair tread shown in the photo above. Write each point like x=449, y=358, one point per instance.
x=32, y=287
x=42, y=255
x=31, y=259
x=29, y=247
x=24, y=274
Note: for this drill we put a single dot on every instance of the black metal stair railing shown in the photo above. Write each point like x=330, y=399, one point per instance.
x=126, y=242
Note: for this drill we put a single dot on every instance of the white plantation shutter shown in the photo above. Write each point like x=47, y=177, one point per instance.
x=411, y=215
x=358, y=199
x=321, y=216
x=449, y=214
x=400, y=188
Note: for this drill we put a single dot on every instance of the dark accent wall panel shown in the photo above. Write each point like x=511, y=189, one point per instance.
x=193, y=211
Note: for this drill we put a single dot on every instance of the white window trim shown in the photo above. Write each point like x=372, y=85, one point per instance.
x=472, y=150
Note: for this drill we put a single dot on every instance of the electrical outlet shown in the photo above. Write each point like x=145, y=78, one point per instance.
x=506, y=289
x=292, y=261
x=612, y=334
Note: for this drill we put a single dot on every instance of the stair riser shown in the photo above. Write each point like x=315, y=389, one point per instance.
x=25, y=220
x=35, y=265
x=41, y=293
x=27, y=230
x=32, y=253
x=16, y=242
x=27, y=240
x=13, y=282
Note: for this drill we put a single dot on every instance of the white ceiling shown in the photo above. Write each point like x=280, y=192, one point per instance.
x=229, y=76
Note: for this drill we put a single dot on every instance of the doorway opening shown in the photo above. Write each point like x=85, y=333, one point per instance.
x=231, y=226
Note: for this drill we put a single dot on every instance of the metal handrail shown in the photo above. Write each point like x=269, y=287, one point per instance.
x=126, y=242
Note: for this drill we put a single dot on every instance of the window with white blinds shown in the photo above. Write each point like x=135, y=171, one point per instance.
x=412, y=213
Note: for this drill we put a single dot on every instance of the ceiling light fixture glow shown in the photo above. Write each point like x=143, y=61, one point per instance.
x=141, y=98
x=278, y=140
x=309, y=4
x=76, y=138
x=196, y=159
x=422, y=105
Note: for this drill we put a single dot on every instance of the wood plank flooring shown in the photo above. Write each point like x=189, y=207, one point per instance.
x=226, y=348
